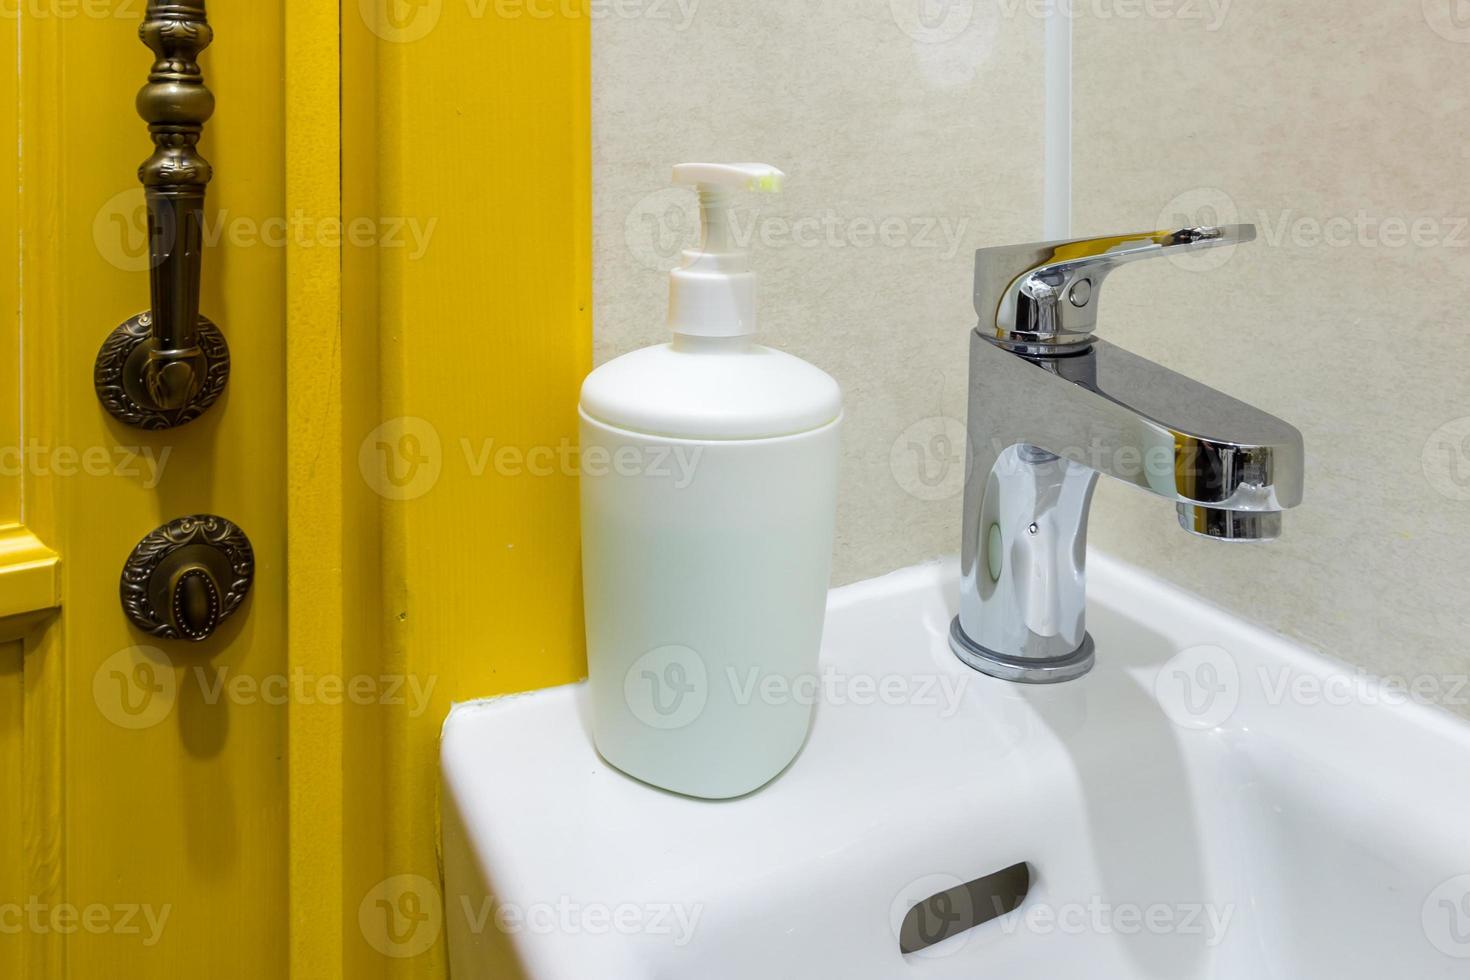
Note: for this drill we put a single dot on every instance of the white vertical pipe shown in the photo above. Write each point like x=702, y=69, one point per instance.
x=1058, y=122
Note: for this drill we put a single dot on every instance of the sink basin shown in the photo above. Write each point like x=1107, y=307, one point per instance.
x=1211, y=802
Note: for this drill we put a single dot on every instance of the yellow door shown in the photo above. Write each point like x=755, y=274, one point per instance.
x=397, y=251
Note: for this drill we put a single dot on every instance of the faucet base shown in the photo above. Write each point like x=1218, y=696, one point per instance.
x=1022, y=670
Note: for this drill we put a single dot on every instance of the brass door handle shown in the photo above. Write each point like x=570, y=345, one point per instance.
x=164, y=367
x=187, y=577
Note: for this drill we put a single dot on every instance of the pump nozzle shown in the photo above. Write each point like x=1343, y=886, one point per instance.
x=740, y=176
x=713, y=293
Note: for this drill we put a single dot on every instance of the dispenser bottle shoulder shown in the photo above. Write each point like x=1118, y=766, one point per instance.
x=757, y=393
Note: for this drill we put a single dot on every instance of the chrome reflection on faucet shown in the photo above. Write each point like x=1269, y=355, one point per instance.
x=1052, y=407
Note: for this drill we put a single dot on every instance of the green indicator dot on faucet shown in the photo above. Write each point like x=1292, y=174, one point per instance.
x=993, y=558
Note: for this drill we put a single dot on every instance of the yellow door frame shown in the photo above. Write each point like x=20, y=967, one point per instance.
x=314, y=512
x=462, y=359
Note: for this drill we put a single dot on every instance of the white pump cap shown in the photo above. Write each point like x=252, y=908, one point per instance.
x=713, y=293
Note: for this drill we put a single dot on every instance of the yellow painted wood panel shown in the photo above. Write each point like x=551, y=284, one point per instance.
x=29, y=570
x=11, y=457
x=30, y=573
x=169, y=810
x=13, y=884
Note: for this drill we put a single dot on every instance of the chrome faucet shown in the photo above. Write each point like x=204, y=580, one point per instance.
x=1051, y=407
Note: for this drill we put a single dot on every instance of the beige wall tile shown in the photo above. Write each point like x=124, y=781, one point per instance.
x=1351, y=120
x=933, y=132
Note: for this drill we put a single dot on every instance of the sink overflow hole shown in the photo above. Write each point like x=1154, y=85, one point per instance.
x=964, y=907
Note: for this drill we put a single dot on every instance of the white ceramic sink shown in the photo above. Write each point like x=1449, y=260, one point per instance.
x=1211, y=802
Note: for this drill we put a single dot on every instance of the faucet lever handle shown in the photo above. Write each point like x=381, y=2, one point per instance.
x=1042, y=298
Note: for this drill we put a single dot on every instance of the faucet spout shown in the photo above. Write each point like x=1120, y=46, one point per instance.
x=1230, y=525
x=1043, y=427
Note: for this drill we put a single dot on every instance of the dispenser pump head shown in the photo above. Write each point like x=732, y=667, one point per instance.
x=713, y=293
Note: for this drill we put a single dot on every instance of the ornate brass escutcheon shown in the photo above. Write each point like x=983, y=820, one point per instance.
x=165, y=367
x=186, y=578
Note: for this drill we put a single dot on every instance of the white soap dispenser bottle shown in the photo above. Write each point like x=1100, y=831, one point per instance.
x=709, y=486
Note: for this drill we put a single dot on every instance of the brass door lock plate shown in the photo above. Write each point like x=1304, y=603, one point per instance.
x=187, y=577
